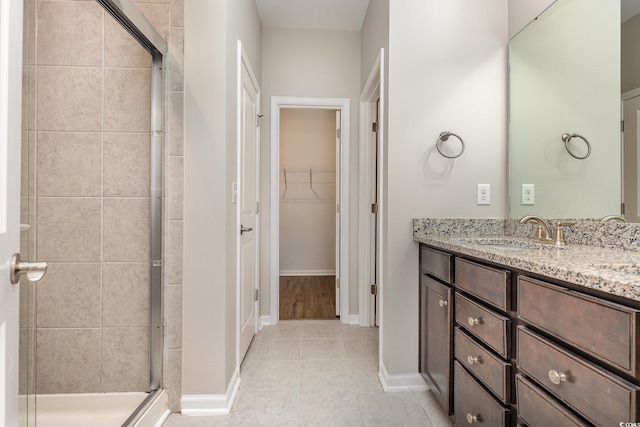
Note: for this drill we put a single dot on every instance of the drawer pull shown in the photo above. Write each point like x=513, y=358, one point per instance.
x=472, y=418
x=473, y=321
x=443, y=303
x=557, y=377
x=473, y=359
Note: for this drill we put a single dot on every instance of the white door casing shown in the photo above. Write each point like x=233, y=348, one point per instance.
x=247, y=198
x=10, y=131
x=370, y=241
x=342, y=170
x=337, y=231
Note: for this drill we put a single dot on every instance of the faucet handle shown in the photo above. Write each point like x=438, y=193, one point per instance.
x=559, y=237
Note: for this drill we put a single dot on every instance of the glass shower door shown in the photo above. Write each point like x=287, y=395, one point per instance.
x=91, y=167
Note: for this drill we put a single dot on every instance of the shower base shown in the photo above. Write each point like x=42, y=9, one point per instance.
x=96, y=409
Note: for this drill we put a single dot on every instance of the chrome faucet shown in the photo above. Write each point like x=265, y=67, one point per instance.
x=543, y=232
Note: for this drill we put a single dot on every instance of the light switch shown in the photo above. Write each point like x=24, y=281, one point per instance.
x=528, y=194
x=484, y=194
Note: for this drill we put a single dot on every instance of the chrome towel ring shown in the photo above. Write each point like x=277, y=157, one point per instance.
x=445, y=136
x=566, y=137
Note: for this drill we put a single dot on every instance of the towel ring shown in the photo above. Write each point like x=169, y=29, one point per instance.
x=567, y=137
x=443, y=137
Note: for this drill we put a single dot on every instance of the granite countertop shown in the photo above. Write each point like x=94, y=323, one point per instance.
x=611, y=270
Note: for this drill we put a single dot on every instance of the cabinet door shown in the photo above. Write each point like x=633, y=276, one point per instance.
x=435, y=338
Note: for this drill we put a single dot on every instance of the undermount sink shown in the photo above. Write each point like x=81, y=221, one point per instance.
x=506, y=244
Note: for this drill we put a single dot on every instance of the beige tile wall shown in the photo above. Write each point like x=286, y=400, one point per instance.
x=86, y=121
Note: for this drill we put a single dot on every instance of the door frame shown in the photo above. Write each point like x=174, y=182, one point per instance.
x=342, y=270
x=373, y=90
x=244, y=62
x=634, y=93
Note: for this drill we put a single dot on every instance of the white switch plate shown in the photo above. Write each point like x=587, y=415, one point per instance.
x=484, y=194
x=528, y=194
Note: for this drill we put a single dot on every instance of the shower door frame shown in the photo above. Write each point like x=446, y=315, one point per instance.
x=130, y=17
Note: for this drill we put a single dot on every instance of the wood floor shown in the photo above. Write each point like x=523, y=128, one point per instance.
x=307, y=297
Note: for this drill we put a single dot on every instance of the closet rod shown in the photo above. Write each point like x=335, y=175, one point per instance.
x=309, y=170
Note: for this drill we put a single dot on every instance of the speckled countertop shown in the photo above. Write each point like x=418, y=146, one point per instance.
x=612, y=270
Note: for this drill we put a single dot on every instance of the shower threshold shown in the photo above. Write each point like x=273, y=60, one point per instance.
x=86, y=409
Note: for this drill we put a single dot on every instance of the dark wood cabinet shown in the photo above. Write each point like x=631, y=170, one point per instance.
x=435, y=333
x=500, y=347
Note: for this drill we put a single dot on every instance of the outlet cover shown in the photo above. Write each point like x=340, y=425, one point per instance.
x=484, y=194
x=528, y=194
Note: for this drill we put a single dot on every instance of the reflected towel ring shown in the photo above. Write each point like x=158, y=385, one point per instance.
x=445, y=136
x=566, y=137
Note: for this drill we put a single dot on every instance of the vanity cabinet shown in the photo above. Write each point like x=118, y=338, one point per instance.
x=503, y=347
x=436, y=316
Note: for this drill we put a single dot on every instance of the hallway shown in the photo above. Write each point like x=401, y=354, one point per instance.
x=318, y=373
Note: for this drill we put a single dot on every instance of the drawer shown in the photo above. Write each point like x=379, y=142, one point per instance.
x=538, y=409
x=489, y=284
x=603, y=329
x=492, y=371
x=596, y=394
x=436, y=263
x=471, y=400
x=490, y=327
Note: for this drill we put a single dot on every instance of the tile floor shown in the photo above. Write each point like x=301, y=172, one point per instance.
x=318, y=373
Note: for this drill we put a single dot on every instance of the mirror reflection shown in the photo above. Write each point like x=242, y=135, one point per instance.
x=571, y=71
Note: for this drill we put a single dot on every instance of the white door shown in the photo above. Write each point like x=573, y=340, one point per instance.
x=338, y=180
x=10, y=130
x=630, y=163
x=248, y=198
x=374, y=217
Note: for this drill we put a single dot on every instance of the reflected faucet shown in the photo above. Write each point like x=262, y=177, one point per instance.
x=543, y=232
x=609, y=218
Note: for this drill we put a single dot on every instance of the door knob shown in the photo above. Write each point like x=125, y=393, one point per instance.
x=33, y=270
x=244, y=229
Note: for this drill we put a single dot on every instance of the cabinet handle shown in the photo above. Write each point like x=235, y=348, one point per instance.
x=472, y=418
x=473, y=359
x=557, y=377
x=443, y=303
x=473, y=321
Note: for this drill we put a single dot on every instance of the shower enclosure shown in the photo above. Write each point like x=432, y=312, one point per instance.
x=91, y=206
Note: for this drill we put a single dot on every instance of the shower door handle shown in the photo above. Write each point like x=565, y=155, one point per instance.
x=244, y=229
x=33, y=270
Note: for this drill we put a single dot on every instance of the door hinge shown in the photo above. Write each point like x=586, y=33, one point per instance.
x=156, y=263
x=622, y=208
x=259, y=116
x=621, y=125
x=338, y=133
x=255, y=294
x=374, y=208
x=338, y=208
x=338, y=283
x=257, y=207
x=374, y=127
x=374, y=289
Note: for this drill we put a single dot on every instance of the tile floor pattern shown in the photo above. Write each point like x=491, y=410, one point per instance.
x=318, y=373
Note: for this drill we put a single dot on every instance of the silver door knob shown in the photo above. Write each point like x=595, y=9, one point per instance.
x=442, y=303
x=473, y=321
x=33, y=270
x=472, y=418
x=244, y=229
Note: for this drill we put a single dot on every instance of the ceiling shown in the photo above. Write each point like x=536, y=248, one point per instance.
x=313, y=14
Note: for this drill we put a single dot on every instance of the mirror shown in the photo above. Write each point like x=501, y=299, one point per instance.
x=567, y=76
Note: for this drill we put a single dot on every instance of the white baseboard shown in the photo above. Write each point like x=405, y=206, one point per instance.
x=400, y=382
x=307, y=272
x=354, y=319
x=264, y=321
x=215, y=404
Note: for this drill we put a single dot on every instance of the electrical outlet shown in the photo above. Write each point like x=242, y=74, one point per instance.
x=484, y=194
x=528, y=194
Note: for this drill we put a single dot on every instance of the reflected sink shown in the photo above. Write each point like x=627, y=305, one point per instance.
x=506, y=244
